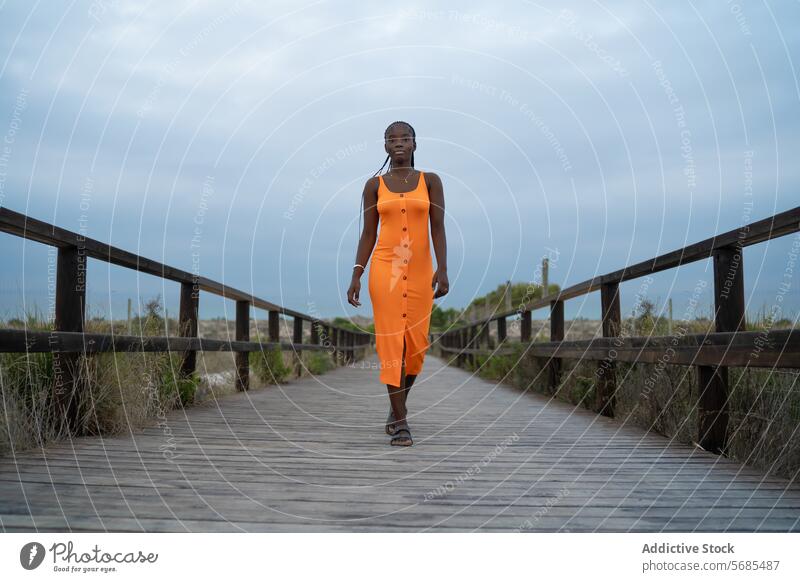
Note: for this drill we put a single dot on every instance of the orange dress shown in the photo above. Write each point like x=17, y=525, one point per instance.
x=400, y=279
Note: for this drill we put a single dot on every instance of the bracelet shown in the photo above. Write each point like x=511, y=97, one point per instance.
x=357, y=265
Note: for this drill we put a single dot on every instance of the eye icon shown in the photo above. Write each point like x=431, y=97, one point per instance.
x=31, y=555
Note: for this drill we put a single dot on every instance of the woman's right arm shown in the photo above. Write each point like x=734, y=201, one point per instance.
x=367, y=240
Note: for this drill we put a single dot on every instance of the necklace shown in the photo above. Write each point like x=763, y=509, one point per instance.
x=405, y=180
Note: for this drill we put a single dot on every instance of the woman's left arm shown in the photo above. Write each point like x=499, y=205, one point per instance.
x=440, y=284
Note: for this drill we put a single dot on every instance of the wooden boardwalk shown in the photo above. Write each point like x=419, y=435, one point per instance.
x=311, y=455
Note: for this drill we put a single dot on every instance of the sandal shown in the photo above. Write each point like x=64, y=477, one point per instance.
x=402, y=440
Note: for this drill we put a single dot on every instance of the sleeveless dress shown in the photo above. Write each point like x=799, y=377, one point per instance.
x=400, y=278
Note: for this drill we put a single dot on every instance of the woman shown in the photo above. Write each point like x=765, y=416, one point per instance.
x=405, y=200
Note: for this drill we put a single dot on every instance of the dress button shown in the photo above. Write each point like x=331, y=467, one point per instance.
x=405, y=277
x=405, y=260
x=404, y=228
x=401, y=195
x=404, y=315
x=404, y=294
x=403, y=210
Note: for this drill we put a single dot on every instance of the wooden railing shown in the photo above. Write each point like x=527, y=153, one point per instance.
x=68, y=340
x=712, y=353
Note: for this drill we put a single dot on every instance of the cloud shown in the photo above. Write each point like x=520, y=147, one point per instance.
x=515, y=105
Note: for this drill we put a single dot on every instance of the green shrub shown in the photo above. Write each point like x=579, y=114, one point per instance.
x=495, y=367
x=268, y=366
x=175, y=385
x=318, y=362
x=582, y=391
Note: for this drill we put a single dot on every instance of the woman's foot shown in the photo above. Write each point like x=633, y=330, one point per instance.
x=402, y=435
x=390, y=422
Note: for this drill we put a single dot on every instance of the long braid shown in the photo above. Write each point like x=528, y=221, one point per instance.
x=388, y=157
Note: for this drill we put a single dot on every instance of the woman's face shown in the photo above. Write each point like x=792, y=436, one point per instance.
x=400, y=144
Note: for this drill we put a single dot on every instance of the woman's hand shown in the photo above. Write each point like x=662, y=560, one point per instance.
x=354, y=290
x=440, y=284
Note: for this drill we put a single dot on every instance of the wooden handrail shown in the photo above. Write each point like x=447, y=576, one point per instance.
x=728, y=345
x=36, y=230
x=69, y=340
x=757, y=232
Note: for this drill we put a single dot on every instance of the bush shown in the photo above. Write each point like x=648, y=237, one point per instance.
x=582, y=392
x=318, y=362
x=495, y=367
x=175, y=386
x=268, y=366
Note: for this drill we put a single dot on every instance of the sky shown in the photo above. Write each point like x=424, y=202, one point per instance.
x=233, y=139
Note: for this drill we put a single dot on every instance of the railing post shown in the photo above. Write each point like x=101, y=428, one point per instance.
x=556, y=335
x=273, y=326
x=525, y=329
x=243, y=335
x=187, y=322
x=473, y=343
x=297, y=338
x=70, y=313
x=346, y=345
x=606, y=383
x=467, y=345
x=326, y=337
x=350, y=352
x=315, y=324
x=273, y=329
x=461, y=341
x=351, y=342
x=501, y=330
x=486, y=337
x=713, y=380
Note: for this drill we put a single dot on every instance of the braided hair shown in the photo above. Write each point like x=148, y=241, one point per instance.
x=388, y=157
